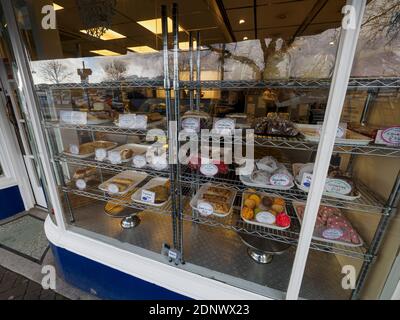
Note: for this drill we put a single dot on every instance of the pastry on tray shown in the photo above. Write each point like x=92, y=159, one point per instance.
x=84, y=173
x=126, y=154
x=219, y=198
x=264, y=209
x=121, y=183
x=219, y=191
x=90, y=147
x=118, y=204
x=162, y=192
x=273, y=124
x=331, y=224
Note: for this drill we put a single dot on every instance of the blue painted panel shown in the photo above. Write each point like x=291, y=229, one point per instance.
x=107, y=282
x=10, y=202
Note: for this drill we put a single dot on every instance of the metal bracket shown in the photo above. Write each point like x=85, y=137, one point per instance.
x=173, y=255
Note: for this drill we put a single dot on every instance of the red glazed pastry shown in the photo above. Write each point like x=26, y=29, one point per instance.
x=282, y=220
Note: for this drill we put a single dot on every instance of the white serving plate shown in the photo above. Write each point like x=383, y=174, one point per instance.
x=349, y=244
x=256, y=223
x=87, y=155
x=136, y=176
x=246, y=180
x=136, y=148
x=354, y=138
x=136, y=197
x=204, y=187
x=329, y=194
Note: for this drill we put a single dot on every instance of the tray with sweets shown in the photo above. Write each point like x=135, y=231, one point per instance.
x=331, y=226
x=88, y=149
x=156, y=192
x=312, y=133
x=212, y=200
x=126, y=152
x=123, y=182
x=265, y=210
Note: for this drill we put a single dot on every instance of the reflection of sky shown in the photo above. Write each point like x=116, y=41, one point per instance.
x=139, y=65
x=308, y=57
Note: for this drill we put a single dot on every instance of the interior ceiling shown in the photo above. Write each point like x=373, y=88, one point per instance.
x=218, y=21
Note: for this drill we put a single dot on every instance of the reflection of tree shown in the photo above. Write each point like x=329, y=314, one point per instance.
x=115, y=70
x=54, y=71
x=382, y=19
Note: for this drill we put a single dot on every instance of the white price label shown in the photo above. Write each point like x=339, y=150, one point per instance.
x=340, y=132
x=133, y=121
x=209, y=169
x=306, y=180
x=280, y=179
x=100, y=154
x=332, y=233
x=74, y=149
x=205, y=208
x=172, y=254
x=114, y=157
x=224, y=126
x=80, y=184
x=337, y=186
x=389, y=136
x=191, y=125
x=148, y=196
x=139, y=161
x=113, y=188
x=73, y=117
x=265, y=217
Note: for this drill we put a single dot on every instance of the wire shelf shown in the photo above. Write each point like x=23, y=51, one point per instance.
x=368, y=202
x=354, y=83
x=139, y=83
x=90, y=162
x=298, y=143
x=97, y=194
x=107, y=128
x=290, y=236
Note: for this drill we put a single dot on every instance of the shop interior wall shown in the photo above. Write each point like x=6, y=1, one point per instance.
x=379, y=174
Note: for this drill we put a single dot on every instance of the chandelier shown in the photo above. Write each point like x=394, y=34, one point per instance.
x=96, y=15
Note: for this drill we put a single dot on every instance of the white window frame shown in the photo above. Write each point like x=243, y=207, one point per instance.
x=111, y=255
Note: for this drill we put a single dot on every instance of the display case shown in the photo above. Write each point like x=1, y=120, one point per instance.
x=227, y=177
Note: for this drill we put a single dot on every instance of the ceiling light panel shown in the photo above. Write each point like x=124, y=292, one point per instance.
x=185, y=45
x=57, y=7
x=142, y=49
x=155, y=25
x=108, y=35
x=105, y=52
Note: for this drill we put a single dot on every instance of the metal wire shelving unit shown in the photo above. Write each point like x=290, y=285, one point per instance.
x=369, y=202
x=354, y=84
x=185, y=182
x=96, y=194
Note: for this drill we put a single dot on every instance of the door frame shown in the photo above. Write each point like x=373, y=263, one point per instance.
x=26, y=148
x=15, y=173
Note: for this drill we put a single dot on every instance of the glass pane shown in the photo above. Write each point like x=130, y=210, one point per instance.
x=272, y=85
x=79, y=72
x=271, y=81
x=358, y=210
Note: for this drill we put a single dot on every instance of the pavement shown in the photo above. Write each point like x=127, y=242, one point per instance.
x=20, y=278
x=13, y=286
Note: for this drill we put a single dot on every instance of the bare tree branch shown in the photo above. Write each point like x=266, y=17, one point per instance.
x=54, y=71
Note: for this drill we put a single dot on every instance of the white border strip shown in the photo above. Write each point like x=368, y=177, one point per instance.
x=163, y=275
x=337, y=95
x=25, y=85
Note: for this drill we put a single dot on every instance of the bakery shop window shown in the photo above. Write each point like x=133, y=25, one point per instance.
x=102, y=95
